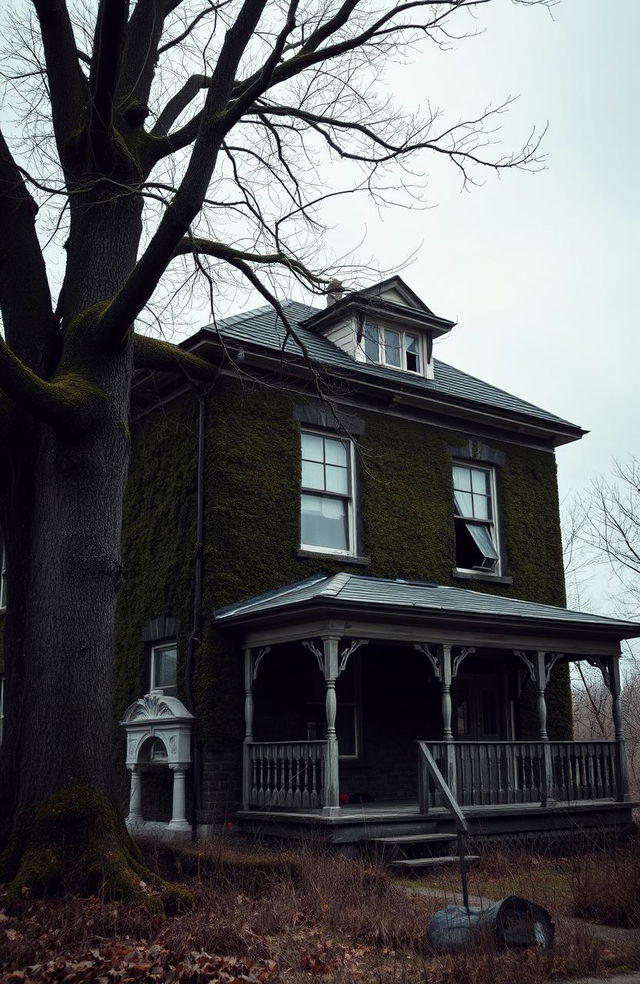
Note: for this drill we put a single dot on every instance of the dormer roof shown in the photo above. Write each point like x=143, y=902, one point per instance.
x=392, y=299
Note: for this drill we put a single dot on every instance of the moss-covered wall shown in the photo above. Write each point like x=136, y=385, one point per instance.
x=252, y=478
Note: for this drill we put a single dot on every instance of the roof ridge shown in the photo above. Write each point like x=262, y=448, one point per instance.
x=335, y=584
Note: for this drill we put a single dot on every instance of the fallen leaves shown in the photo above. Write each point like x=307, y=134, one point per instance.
x=152, y=963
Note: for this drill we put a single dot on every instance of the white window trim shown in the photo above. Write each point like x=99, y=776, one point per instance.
x=350, y=498
x=381, y=361
x=493, y=525
x=157, y=648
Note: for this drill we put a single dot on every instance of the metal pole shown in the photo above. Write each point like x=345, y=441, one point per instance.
x=463, y=870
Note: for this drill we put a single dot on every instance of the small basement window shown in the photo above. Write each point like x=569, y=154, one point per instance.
x=164, y=665
x=388, y=347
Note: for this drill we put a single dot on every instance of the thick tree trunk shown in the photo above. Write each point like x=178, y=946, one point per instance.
x=63, y=831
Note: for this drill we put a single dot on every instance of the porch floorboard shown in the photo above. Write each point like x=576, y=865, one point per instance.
x=400, y=811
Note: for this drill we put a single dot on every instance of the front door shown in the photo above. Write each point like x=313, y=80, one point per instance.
x=479, y=707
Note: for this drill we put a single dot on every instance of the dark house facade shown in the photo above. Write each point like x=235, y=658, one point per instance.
x=338, y=554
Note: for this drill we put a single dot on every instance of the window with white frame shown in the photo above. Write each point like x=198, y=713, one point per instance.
x=390, y=347
x=474, y=502
x=327, y=520
x=164, y=662
x=3, y=580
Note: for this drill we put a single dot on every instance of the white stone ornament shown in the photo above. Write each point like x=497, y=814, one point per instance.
x=156, y=716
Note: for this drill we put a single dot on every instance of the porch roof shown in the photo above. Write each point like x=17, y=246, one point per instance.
x=357, y=595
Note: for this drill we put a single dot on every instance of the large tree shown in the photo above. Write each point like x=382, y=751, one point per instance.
x=172, y=136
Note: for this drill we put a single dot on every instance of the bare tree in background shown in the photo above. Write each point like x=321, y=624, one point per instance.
x=153, y=137
x=602, y=534
x=592, y=716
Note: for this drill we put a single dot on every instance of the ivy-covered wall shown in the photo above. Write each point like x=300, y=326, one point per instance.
x=252, y=478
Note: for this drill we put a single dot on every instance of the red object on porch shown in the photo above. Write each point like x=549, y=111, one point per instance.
x=344, y=798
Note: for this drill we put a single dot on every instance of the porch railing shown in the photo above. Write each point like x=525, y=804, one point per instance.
x=490, y=773
x=287, y=774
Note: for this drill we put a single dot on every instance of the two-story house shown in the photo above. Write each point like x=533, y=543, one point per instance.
x=343, y=557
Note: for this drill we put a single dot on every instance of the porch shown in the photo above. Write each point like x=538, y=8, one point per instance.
x=470, y=666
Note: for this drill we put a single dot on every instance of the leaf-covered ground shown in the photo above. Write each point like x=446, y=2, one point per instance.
x=285, y=918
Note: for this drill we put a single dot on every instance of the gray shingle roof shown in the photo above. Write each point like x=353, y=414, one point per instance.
x=263, y=327
x=358, y=589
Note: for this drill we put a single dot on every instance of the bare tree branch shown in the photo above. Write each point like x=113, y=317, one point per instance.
x=25, y=302
x=65, y=79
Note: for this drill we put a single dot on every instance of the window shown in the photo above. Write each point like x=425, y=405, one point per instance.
x=474, y=511
x=326, y=500
x=164, y=661
x=3, y=580
x=399, y=349
x=1, y=707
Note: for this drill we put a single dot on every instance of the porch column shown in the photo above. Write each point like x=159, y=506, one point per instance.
x=248, y=728
x=135, y=796
x=331, y=805
x=178, y=808
x=622, y=778
x=446, y=676
x=540, y=674
x=540, y=679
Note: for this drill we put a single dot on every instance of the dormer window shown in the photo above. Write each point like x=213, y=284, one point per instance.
x=388, y=347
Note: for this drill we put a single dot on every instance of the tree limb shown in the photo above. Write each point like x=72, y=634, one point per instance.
x=152, y=353
x=178, y=103
x=176, y=221
x=67, y=84
x=143, y=36
x=109, y=35
x=70, y=402
x=25, y=298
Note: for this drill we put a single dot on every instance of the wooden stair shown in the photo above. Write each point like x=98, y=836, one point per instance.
x=405, y=852
x=408, y=864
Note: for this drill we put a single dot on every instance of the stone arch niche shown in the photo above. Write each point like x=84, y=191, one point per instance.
x=164, y=723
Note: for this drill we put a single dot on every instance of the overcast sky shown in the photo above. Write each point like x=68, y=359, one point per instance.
x=539, y=270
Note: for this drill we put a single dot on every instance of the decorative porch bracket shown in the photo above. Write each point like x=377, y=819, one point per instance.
x=539, y=666
x=445, y=668
x=332, y=663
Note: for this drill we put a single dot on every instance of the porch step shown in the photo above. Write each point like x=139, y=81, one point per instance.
x=414, y=839
x=430, y=862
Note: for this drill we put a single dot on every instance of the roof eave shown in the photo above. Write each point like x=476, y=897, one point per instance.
x=441, y=617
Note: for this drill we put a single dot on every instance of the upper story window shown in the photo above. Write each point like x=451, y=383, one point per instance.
x=326, y=499
x=164, y=667
x=389, y=347
x=474, y=498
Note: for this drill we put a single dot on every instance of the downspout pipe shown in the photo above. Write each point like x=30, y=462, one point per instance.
x=196, y=625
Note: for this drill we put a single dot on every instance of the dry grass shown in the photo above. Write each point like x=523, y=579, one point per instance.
x=273, y=917
x=602, y=886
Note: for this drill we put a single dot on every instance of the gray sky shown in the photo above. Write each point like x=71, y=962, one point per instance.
x=539, y=270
